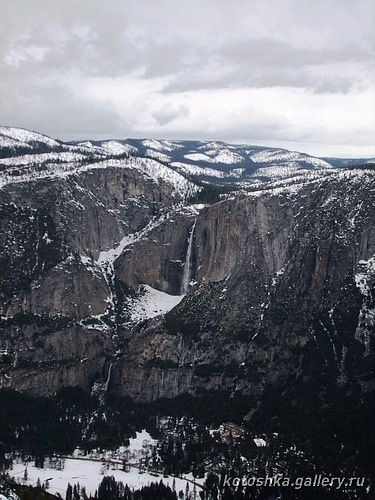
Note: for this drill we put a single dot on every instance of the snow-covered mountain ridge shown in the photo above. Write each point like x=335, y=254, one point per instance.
x=214, y=161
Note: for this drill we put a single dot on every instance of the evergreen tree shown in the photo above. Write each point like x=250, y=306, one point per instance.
x=76, y=495
x=69, y=492
x=108, y=489
x=127, y=493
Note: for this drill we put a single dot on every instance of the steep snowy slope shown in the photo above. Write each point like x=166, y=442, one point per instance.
x=11, y=137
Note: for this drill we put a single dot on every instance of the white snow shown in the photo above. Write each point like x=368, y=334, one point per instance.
x=366, y=271
x=58, y=170
x=277, y=171
x=195, y=170
x=196, y=208
x=198, y=157
x=89, y=470
x=150, y=303
x=86, y=144
x=312, y=178
x=37, y=159
x=157, y=155
x=151, y=168
x=206, y=171
x=157, y=171
x=162, y=145
x=226, y=156
x=216, y=156
x=211, y=145
x=109, y=256
x=260, y=442
x=23, y=136
x=115, y=147
x=90, y=473
x=141, y=439
x=236, y=172
x=272, y=155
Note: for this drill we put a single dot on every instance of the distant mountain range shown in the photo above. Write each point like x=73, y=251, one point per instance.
x=213, y=161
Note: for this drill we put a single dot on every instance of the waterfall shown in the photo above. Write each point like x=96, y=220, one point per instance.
x=187, y=267
x=106, y=384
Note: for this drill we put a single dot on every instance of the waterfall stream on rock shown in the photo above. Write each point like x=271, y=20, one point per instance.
x=188, y=262
x=108, y=378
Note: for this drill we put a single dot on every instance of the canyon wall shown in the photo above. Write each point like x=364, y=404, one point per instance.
x=280, y=279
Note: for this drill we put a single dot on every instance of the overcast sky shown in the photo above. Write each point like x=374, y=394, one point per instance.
x=297, y=74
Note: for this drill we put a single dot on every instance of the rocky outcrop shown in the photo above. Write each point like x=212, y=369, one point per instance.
x=41, y=362
x=158, y=258
x=95, y=208
x=281, y=281
x=276, y=281
x=73, y=288
x=58, y=300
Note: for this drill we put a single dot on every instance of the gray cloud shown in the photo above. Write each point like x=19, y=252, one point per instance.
x=167, y=113
x=269, y=63
x=117, y=69
x=51, y=108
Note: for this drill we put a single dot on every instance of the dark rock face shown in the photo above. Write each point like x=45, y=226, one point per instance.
x=53, y=289
x=157, y=259
x=283, y=284
x=277, y=278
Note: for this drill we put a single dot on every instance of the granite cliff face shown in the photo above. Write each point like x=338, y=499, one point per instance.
x=281, y=281
x=278, y=285
x=158, y=259
x=58, y=289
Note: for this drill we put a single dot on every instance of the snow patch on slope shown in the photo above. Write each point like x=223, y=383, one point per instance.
x=214, y=156
x=37, y=159
x=195, y=170
x=149, y=303
x=225, y=156
x=157, y=155
x=157, y=171
x=161, y=145
x=116, y=148
x=198, y=157
x=273, y=155
x=22, y=137
x=366, y=271
x=107, y=257
x=277, y=171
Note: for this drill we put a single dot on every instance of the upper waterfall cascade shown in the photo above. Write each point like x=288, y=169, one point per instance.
x=106, y=384
x=186, y=278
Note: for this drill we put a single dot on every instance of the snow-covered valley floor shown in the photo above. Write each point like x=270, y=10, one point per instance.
x=89, y=471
